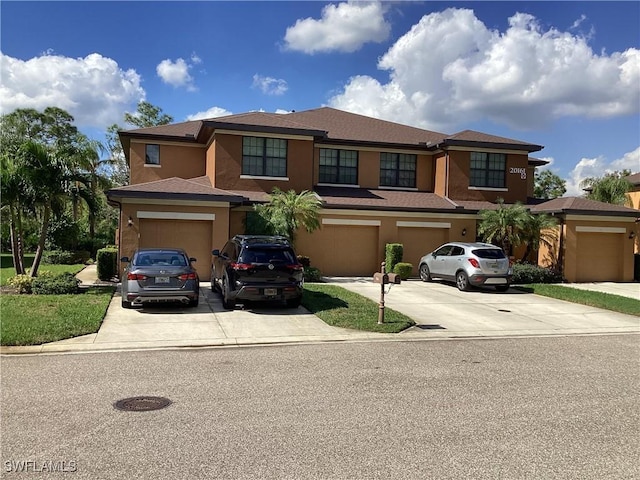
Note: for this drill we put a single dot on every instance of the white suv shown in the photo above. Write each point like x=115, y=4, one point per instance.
x=468, y=264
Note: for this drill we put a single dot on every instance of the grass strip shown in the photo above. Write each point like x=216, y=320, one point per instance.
x=7, y=270
x=339, y=307
x=37, y=319
x=606, y=301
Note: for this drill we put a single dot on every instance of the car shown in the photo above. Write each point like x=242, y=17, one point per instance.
x=257, y=268
x=159, y=275
x=468, y=264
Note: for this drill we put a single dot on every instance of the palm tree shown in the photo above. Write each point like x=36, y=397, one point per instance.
x=504, y=225
x=288, y=211
x=538, y=229
x=11, y=191
x=47, y=175
x=610, y=188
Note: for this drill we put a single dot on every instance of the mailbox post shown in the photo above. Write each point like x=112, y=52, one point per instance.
x=383, y=279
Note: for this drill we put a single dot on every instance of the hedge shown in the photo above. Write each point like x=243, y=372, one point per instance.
x=65, y=283
x=403, y=269
x=107, y=259
x=393, y=255
x=524, y=273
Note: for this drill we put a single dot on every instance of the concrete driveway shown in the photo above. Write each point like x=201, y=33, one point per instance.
x=441, y=310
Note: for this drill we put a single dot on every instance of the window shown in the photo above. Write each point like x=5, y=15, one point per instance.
x=338, y=166
x=152, y=155
x=397, y=170
x=488, y=170
x=264, y=157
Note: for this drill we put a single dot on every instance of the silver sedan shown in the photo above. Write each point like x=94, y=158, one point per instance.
x=158, y=275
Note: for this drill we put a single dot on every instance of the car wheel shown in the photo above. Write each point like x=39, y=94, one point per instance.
x=126, y=304
x=462, y=281
x=502, y=288
x=194, y=302
x=227, y=303
x=425, y=274
x=294, y=302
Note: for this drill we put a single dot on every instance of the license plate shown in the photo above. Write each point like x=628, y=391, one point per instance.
x=493, y=265
x=162, y=279
x=270, y=291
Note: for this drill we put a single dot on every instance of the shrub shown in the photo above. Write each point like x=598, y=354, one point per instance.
x=403, y=269
x=65, y=283
x=107, y=259
x=21, y=282
x=312, y=274
x=393, y=255
x=304, y=260
x=58, y=257
x=526, y=273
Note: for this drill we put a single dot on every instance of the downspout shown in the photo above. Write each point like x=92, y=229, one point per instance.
x=561, y=248
x=446, y=174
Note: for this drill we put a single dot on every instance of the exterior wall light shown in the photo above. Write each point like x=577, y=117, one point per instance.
x=130, y=222
x=632, y=235
x=464, y=232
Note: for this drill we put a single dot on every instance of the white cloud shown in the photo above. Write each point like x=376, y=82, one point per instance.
x=270, y=86
x=344, y=27
x=177, y=73
x=596, y=167
x=94, y=89
x=211, y=113
x=450, y=70
x=578, y=22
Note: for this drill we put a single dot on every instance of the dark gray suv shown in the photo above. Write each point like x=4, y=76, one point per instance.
x=257, y=268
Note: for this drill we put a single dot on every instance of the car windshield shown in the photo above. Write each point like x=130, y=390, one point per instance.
x=492, y=253
x=267, y=255
x=160, y=259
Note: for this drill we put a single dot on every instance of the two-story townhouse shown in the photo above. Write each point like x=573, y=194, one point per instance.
x=193, y=184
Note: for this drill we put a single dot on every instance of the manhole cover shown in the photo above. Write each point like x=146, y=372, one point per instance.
x=142, y=404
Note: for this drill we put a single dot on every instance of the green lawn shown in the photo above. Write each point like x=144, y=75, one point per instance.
x=37, y=319
x=606, y=301
x=339, y=307
x=7, y=271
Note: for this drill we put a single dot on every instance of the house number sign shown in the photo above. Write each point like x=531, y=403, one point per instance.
x=521, y=171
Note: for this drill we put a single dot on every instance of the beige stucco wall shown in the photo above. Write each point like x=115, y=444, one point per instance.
x=176, y=160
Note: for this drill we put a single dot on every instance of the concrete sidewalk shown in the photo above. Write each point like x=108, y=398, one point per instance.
x=439, y=310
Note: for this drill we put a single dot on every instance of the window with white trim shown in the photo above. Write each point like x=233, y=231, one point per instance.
x=152, y=154
x=398, y=170
x=264, y=156
x=488, y=170
x=338, y=166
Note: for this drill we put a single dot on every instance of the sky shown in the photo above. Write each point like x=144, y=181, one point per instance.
x=565, y=75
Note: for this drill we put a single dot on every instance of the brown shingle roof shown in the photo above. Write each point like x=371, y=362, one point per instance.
x=584, y=206
x=345, y=197
x=327, y=124
x=197, y=188
x=342, y=125
x=634, y=179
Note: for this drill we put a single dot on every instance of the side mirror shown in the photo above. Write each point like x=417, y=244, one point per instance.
x=215, y=253
x=125, y=259
x=191, y=259
x=434, y=255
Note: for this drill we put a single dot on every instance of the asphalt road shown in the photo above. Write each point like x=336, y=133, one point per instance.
x=534, y=408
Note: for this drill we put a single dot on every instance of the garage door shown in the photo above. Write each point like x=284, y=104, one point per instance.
x=599, y=257
x=354, y=250
x=192, y=235
x=417, y=242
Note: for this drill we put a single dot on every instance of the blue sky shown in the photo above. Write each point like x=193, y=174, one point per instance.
x=565, y=75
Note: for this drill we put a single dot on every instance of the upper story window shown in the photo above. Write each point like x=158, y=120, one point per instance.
x=398, y=170
x=338, y=166
x=152, y=155
x=488, y=170
x=264, y=156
